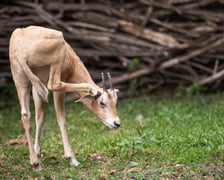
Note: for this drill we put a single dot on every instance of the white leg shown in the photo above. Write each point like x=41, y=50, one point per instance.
x=39, y=118
x=60, y=112
x=23, y=89
x=24, y=98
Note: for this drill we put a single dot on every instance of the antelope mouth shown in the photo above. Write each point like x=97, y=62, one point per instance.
x=112, y=123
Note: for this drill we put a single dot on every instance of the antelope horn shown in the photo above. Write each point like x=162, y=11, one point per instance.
x=110, y=80
x=104, y=83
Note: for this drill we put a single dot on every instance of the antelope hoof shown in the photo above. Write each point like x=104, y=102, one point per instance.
x=37, y=167
x=73, y=161
x=35, y=162
x=93, y=92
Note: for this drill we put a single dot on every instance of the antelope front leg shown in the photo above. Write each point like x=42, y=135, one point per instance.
x=60, y=112
x=81, y=87
x=55, y=83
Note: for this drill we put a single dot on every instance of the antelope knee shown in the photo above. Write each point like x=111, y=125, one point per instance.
x=26, y=121
x=55, y=86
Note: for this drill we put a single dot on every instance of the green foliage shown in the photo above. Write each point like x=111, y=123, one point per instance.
x=194, y=89
x=173, y=138
x=134, y=65
x=9, y=92
x=136, y=83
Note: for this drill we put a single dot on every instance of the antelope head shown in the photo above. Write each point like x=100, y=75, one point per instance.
x=103, y=105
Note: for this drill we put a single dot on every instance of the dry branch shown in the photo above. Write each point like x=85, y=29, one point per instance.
x=212, y=78
x=147, y=34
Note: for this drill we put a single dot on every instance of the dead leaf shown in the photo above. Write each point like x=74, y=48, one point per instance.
x=19, y=141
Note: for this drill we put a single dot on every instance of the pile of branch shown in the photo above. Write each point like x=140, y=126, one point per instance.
x=145, y=44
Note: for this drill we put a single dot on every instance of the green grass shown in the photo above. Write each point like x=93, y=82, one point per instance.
x=171, y=138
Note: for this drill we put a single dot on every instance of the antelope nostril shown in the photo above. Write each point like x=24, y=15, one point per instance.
x=117, y=124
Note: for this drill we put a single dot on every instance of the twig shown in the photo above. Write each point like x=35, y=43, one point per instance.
x=212, y=78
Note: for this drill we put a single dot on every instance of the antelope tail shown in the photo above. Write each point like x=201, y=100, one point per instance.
x=36, y=82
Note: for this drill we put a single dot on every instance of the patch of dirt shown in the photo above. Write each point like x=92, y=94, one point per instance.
x=179, y=171
x=213, y=169
x=98, y=157
x=84, y=175
x=204, y=171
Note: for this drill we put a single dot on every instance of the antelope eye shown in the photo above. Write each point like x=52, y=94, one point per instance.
x=102, y=104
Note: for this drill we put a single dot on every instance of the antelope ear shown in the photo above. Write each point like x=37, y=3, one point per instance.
x=85, y=98
x=89, y=96
x=78, y=100
x=92, y=96
x=116, y=90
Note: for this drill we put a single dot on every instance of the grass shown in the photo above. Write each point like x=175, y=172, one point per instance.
x=159, y=138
